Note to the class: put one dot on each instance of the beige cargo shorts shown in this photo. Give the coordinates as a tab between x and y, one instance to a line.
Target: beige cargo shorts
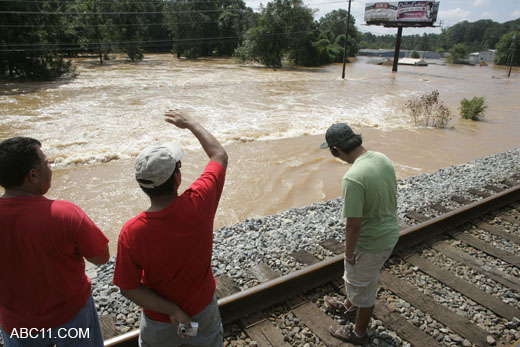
362	277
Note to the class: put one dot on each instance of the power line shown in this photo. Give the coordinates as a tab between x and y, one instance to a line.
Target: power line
119	25
104	25
136	12
116	25
87	45
158	3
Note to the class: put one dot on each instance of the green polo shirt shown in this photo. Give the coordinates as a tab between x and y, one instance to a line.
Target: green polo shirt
370	193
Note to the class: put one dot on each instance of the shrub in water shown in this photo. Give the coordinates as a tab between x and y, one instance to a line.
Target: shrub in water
473	109
428	111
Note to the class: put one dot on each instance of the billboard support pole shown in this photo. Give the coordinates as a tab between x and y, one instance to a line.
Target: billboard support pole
397	48
512	56
346	42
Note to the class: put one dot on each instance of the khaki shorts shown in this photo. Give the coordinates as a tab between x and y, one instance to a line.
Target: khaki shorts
361	278
159	334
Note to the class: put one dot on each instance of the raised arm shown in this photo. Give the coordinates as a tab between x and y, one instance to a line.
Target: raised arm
209	143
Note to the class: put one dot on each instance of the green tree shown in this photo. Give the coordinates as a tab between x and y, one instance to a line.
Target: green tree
92	28
193	30
473	109
262	46
458	53
130	25
285	28
333	27
33	37
504	50
234	20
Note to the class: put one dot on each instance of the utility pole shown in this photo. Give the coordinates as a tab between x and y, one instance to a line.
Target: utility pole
346	41
512	54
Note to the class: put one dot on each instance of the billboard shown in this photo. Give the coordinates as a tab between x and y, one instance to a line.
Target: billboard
402	12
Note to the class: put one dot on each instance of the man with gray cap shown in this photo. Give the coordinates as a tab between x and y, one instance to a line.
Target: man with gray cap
372	230
164	253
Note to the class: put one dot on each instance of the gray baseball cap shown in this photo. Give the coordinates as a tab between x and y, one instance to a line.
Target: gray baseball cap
157	163
336	134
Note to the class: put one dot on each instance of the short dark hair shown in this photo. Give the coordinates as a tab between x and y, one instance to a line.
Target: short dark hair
163	189
18	155
351	143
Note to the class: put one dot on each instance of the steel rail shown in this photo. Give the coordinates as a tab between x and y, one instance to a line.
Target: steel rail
266	294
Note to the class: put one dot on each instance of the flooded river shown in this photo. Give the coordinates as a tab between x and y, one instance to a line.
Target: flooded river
271	122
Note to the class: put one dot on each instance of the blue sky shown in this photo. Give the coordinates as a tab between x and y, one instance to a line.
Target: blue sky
450	12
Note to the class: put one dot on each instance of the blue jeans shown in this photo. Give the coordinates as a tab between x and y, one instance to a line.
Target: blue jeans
81	331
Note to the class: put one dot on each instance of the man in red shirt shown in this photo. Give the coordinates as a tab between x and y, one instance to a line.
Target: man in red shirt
45	295
164	253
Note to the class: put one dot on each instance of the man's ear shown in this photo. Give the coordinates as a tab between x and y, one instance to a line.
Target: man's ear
33	175
339	151
177	178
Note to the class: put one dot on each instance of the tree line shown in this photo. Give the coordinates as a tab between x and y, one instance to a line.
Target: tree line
39	35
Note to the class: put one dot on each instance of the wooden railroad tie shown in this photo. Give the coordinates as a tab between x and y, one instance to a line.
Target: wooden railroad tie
487	248
477	265
486	226
318	322
494	188
461	200
402	326
510	182
481	193
467	289
304	257
333	245
417	216
263	273
500	233
406	330
225	286
410	294
266	333
441	208
509	219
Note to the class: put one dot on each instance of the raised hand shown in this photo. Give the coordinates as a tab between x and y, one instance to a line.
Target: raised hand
179	118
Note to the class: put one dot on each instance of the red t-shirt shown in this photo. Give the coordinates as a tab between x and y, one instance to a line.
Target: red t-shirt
169	251
42	277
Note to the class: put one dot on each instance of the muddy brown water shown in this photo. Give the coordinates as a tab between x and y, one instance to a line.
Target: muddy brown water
271	122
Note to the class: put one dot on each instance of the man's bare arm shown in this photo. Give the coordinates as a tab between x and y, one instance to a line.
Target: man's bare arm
209	143
147	298
101	258
352	232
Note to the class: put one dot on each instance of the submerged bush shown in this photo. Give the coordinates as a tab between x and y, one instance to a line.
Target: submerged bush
428	111
473	109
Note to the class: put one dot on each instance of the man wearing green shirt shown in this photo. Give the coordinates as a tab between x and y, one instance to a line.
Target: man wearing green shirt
372	229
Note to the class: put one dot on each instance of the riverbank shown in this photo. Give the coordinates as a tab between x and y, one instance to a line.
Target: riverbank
272	238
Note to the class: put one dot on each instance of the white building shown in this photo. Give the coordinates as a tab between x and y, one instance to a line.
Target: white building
487	56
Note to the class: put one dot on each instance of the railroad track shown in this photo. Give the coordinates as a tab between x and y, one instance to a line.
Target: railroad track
476	235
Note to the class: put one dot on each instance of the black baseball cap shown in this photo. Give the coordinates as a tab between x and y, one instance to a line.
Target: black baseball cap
336	134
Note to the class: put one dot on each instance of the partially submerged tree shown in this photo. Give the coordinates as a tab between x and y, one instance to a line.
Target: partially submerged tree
428	111
473	109
458	53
